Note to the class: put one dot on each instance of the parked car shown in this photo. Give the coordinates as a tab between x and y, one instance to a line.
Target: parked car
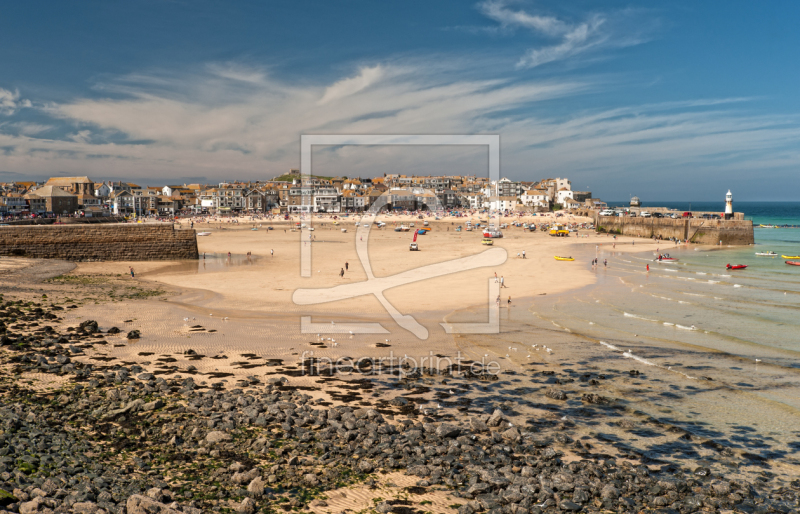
644	214
687	214
607	212
657	215
413	247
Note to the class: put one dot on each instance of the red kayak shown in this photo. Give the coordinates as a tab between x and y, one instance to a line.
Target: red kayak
793	263
738	266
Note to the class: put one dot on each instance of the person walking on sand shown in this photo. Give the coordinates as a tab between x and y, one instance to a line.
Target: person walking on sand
502	281
605	263
495	277
498	301
523	254
272	253
341	273
509	301
648	267
132	273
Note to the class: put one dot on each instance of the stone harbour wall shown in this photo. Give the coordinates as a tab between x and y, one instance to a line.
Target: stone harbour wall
700	231
103	242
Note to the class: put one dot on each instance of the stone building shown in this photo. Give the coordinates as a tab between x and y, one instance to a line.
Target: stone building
74	185
57	200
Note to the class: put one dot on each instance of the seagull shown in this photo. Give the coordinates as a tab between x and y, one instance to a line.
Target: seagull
351	332
332	323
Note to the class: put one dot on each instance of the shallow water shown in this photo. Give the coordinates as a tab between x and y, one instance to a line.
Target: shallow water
725	343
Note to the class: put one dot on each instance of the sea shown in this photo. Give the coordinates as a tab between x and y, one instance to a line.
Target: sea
726	343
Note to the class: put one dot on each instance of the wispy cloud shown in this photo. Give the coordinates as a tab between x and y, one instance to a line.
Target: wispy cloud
349	86
565	39
10	101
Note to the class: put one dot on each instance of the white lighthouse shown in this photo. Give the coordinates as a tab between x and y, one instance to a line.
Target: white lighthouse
729	205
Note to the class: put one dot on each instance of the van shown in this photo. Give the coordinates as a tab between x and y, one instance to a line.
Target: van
644	214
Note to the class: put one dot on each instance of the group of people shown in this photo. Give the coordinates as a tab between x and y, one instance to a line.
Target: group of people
595	263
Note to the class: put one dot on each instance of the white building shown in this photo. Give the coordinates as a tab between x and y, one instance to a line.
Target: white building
102	190
535	198
502	203
563	194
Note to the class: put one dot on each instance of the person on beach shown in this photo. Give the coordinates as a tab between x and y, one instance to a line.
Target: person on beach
648	267
272	253
132	273
523	254
502	281
347	266
495	277
498	301
509	301
605	263
341	273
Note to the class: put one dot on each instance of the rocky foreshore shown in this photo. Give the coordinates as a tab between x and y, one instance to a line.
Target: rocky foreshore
91	438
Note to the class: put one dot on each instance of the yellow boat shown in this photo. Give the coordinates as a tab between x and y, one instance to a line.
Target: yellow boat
564	258
791	256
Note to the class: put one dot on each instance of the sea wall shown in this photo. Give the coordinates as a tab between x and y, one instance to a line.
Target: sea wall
102	242
67	220
700	231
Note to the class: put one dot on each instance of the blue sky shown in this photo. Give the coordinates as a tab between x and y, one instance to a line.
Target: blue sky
668	101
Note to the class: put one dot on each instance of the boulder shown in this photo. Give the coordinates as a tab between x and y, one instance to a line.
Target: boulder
138	504
217	437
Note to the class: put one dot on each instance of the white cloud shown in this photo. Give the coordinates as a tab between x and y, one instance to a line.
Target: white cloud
573	38
11	101
496	10
366	77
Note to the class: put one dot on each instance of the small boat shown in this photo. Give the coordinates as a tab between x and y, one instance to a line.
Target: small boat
204	233
736	266
766	254
564	258
791	256
793	263
767	226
